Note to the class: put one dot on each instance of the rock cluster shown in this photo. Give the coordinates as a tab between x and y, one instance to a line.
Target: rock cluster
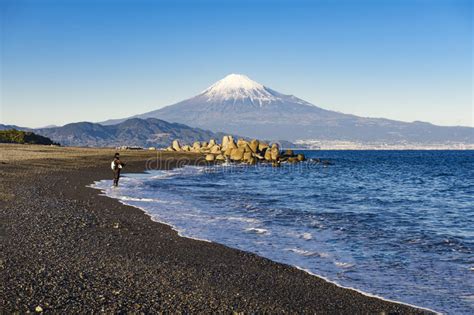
250	152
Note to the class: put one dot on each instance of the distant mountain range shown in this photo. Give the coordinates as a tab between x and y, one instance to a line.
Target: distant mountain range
132	132
239	105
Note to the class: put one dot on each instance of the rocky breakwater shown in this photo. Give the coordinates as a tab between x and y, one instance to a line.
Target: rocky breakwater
240	151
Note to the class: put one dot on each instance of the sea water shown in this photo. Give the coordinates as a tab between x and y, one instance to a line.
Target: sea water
396	224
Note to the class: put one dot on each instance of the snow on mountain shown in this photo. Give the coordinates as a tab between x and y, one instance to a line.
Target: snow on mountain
238	87
236	104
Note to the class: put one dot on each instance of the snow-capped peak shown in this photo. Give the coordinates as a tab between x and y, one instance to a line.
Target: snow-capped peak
235	82
238	87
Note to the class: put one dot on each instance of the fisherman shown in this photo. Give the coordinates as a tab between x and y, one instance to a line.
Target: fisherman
116	166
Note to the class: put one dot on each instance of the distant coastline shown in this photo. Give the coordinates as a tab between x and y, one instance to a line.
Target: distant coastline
352	145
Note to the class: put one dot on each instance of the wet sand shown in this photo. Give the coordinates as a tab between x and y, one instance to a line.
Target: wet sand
64	248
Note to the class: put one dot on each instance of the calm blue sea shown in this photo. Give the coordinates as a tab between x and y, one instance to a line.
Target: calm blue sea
397	224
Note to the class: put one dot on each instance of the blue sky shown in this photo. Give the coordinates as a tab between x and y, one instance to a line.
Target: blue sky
67	61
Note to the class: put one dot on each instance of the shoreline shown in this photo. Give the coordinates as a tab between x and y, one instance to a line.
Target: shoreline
367	293
174	228
66	248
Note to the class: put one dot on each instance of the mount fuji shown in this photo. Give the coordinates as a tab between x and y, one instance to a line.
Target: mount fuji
236	104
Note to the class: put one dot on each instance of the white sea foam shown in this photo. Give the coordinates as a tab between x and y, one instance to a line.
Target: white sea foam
125	198
302	252
469	298
365	293
306	236
153	217
180	232
324	255
161	176
343	264
257	230
242	219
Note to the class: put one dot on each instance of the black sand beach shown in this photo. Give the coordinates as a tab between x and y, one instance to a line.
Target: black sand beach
66	249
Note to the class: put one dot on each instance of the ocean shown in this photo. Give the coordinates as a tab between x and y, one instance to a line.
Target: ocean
395	224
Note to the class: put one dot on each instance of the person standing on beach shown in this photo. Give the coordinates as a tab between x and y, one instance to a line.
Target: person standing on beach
116	166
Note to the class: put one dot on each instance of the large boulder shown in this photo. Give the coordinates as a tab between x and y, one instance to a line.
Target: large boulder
228	142
247	156
216	149
301	157
275	153
186	148
220	157
231	144
210	157
228	151
176	146
254	145
247	148
241	143
225	142
211	143
262	146
204	144
268	155
292	159
237	154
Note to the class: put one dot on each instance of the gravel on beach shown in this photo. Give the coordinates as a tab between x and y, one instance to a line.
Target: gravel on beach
67	249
